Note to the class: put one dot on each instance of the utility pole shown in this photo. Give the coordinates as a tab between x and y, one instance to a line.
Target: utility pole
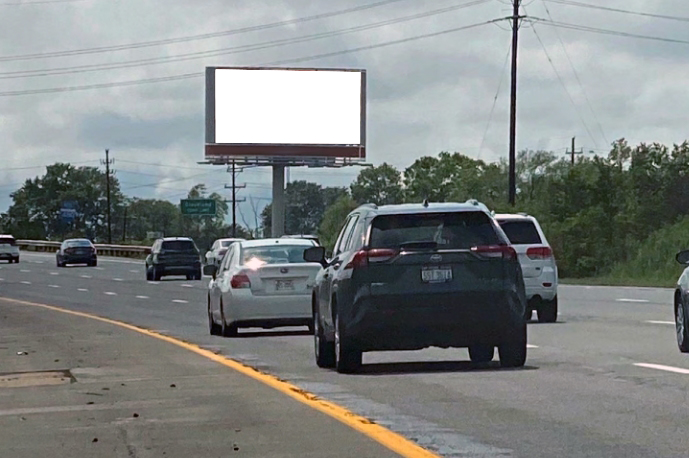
234	188
107	185
124	226
574	150
513	102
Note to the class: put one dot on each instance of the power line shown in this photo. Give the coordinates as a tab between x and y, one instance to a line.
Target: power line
564	86
619	10
584	28
231	50
40	2
5	169
201	74
576	75
147	44
495	101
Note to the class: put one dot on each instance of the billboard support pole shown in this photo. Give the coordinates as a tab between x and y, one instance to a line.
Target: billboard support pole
278	204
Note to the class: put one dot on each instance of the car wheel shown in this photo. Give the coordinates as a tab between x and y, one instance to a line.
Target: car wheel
547	312
324	350
513	352
149	274
528	314
199	275
213	327
347	358
156	274
227	330
681	327
58	263
481	353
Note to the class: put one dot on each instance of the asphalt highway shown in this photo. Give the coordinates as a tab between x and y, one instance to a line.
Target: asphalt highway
607	380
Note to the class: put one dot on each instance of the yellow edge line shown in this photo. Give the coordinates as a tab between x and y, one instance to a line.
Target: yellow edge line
393	441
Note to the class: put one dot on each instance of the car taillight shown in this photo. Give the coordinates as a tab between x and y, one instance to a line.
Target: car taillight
240	281
69	250
364	257
495	251
539	252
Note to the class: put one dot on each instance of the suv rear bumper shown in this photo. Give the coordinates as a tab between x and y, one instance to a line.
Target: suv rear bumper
185	269
9	256
413	322
543	286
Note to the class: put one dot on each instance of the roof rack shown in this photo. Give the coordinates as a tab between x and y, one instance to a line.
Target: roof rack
523	214
369	205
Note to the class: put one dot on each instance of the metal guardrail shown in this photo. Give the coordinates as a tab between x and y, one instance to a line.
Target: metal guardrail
120	251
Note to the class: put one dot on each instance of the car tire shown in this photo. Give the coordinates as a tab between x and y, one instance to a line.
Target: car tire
156	274
347	357
93	263
481	353
58	263
513	352
149	274
528	314
214	328
227	330
16	260
547	312
681	327
324	350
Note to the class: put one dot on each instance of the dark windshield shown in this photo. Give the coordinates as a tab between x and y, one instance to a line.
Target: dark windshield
178	245
7	241
521	232
459	230
277	254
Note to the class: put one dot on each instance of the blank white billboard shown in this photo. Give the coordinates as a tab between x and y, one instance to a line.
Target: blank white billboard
288	107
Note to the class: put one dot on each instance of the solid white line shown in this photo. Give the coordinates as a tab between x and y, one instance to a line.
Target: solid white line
53	286
661	322
179	301
639	301
660	367
86	276
110	293
25	282
142	297
83	290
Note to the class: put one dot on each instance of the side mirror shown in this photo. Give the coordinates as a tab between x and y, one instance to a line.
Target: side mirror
315	254
210	270
683	257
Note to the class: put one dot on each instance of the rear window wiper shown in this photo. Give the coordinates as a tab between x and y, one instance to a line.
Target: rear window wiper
420	245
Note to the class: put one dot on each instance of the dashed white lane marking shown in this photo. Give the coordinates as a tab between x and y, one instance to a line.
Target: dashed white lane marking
53	286
24	271
117	279
37	262
179	301
25	282
636	301
142	297
86	276
660	322
660	367
99	268
187	286
110	293
531	346
54	273
2	279
83	290
134	271
153	282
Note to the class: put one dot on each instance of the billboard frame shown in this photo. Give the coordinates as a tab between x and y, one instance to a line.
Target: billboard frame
224	152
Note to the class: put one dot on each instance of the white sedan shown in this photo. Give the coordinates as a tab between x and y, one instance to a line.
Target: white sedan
261	283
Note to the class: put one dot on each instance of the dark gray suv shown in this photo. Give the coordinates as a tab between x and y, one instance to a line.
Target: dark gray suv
407	277
173	256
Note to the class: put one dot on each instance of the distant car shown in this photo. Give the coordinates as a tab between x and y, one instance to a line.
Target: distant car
538	264
682	303
9	249
76	251
407	277
261	283
303	236
173	256
218	250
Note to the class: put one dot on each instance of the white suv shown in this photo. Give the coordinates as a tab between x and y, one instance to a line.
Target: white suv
9	249
537	261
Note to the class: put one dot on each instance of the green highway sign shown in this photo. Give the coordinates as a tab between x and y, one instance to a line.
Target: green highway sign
198	207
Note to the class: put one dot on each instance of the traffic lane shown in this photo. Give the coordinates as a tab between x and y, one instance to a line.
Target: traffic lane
125	394
291	359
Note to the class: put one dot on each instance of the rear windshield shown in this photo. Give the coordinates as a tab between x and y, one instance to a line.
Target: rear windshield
521	232
7	241
459	230
278	254
178	245
75	243
226	243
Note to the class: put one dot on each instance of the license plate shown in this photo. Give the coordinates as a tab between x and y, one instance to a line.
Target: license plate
284	285
436	274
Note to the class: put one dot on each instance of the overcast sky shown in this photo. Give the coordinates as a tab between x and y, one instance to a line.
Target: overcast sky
424	96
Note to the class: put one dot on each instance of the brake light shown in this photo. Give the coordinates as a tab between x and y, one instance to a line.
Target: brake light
539	252
495	251
364	257
240	281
